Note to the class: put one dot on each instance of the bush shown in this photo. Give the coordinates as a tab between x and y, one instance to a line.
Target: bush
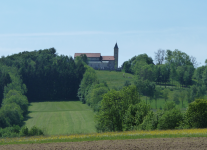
169	106
170	119
35	131
10	131
10	114
135	115
149	122
24	131
196	114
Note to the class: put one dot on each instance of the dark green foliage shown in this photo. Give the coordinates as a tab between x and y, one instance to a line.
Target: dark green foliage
89	78
135	115
16	131
170	119
14	96
53	77
176	97
169	106
24	131
127	83
149	122
82	59
10	114
4	80
196	114
35	131
95	95
113	108
39	76
10	131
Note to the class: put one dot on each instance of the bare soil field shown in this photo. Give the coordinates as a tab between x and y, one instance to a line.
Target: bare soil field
136	144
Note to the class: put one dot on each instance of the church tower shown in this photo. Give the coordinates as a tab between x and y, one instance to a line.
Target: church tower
116	52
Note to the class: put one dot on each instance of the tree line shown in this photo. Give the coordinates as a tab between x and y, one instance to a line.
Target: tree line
34	76
121	109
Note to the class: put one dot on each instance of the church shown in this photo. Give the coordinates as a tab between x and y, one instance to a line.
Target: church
96	61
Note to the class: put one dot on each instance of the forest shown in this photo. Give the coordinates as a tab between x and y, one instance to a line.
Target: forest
43	75
35	76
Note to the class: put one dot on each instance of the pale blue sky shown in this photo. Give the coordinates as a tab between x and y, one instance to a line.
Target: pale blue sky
94	26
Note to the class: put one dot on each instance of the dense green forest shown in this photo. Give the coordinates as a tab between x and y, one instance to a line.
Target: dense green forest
35	76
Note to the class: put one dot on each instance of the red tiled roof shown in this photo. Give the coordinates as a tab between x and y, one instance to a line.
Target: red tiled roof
108	58
88	54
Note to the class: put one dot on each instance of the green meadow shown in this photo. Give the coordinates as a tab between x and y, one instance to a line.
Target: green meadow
55	118
114	78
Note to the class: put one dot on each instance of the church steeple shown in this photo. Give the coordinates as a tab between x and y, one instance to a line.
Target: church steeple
116	46
116	55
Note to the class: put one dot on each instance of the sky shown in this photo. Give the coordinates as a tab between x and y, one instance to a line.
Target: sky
94	26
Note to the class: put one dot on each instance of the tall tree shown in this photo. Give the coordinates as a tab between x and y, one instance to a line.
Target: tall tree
159	56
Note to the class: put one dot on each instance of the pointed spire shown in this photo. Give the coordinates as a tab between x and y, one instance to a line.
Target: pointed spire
116	46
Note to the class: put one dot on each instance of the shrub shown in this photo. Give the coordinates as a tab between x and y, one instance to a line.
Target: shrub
35	131
24	131
196	114
170	119
169	106
10	131
149	122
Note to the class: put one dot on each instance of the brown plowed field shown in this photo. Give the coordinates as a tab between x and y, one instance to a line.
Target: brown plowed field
137	144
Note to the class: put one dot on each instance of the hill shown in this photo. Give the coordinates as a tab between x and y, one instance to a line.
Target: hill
114	78
56	118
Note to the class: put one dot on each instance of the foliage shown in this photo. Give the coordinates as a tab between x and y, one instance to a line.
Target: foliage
113	107
12	131
35	131
95	95
165	94
196	114
81	59
135	115
176	97
170	119
169	106
89	78
10	114
14	96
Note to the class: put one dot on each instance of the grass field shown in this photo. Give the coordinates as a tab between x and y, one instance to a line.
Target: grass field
57	118
114	78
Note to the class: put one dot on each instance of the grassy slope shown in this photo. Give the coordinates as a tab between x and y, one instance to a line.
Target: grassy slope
61	117
114	78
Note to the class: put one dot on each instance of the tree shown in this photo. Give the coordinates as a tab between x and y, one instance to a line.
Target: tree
127	67
169	106
135	115
170	119
182	96
157	93
196	114
177	58
113	107
14	96
165	94
176	97
82	58
89	78
127	83
159	56
95	95
165	73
